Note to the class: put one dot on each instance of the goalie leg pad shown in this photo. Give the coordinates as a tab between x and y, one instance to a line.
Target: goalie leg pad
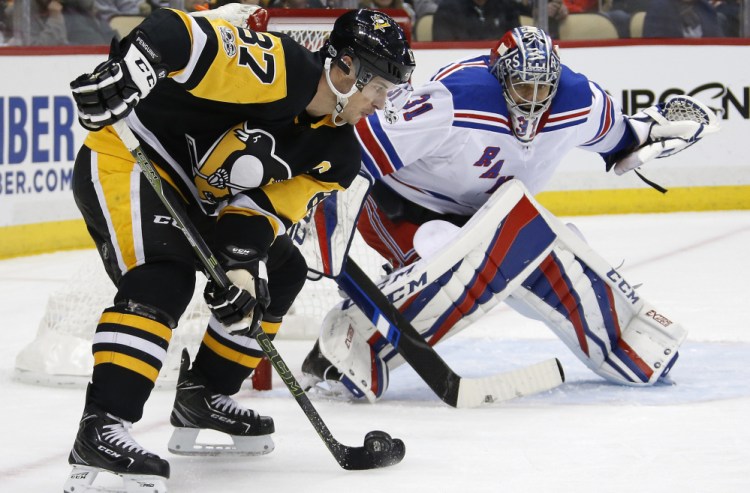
598	314
444	293
364	373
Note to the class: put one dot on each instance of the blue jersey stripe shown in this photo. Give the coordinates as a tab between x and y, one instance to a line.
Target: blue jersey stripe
380	135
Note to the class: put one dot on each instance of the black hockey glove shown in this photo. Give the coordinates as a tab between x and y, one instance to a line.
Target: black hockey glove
118	84
247	298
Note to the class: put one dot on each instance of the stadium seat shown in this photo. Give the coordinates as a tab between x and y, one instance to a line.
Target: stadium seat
587	26
423	29
636	24
123	24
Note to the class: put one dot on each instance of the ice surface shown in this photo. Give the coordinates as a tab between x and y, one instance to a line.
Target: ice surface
586	436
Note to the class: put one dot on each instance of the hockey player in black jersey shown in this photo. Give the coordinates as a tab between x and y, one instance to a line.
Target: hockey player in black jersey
248	130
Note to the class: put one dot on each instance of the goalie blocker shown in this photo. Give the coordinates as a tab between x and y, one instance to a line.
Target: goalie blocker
515	250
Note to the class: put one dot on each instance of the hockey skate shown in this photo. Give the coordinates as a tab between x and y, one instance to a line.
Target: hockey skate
196	408
103	443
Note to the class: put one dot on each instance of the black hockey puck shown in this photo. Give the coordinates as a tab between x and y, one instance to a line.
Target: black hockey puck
378	442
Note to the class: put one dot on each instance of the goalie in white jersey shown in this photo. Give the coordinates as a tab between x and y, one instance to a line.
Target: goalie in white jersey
477	125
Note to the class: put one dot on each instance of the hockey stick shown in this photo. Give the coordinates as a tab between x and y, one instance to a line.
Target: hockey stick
379	450
452	389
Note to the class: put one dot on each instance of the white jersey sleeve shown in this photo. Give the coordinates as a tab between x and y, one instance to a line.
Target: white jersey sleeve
419	131
606	125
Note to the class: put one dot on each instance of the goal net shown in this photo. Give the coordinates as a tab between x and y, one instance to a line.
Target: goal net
310	27
60	355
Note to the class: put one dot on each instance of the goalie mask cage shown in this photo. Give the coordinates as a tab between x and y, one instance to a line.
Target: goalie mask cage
60	354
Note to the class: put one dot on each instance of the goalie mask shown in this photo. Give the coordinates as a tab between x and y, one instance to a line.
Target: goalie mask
527	65
382	59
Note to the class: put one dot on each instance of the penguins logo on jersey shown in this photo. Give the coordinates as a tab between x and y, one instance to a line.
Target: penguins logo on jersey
379	22
241	159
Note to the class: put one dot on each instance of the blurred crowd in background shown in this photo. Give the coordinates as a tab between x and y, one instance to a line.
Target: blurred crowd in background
89	22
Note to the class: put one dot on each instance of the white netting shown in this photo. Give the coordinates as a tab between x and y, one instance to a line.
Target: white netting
310	33
312	39
61	352
60	355
310	27
679	109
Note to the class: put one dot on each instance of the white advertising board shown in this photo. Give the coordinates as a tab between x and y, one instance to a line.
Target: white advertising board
39	133
39	137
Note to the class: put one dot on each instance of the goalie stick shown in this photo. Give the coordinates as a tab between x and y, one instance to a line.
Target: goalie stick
452	389
379	449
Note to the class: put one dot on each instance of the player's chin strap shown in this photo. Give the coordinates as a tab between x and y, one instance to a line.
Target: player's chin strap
341	99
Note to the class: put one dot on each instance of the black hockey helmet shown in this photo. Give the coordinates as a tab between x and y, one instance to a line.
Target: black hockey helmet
377	44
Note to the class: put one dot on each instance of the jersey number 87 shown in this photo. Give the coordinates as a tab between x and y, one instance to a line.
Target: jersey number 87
265	71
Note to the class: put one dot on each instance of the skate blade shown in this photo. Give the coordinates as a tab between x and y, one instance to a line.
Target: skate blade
81	480
183	442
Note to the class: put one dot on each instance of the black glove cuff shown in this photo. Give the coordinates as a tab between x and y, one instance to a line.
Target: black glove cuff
234	257
236	234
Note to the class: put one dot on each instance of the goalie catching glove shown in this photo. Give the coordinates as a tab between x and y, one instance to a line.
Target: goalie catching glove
666	129
117	85
240	307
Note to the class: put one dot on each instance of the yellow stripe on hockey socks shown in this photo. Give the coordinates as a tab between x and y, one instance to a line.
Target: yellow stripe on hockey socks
145	324
128	362
228	353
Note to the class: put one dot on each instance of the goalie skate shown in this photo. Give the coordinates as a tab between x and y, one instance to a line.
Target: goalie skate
196	408
103	444
321	379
